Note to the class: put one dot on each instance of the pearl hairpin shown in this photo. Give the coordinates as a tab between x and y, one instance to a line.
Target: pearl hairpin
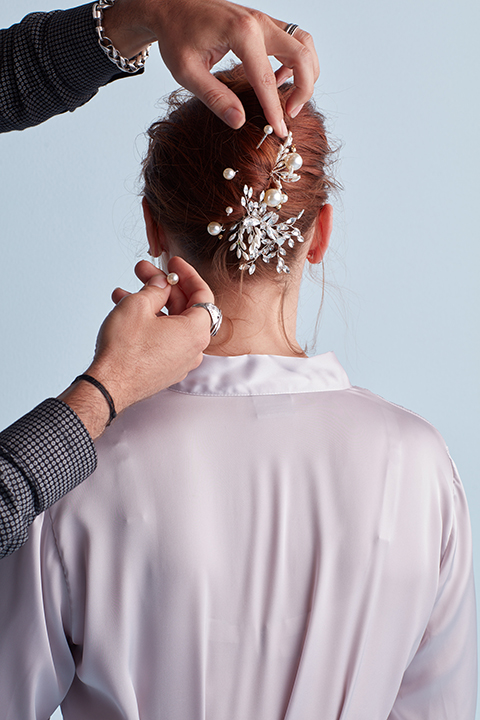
268	130
229	173
172	278
214	228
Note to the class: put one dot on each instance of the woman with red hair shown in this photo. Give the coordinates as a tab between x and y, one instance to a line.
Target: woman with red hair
261	540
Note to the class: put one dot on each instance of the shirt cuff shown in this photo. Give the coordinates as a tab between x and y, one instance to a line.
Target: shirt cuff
52	449
79	59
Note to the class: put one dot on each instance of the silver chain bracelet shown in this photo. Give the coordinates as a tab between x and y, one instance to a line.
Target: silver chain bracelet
129	66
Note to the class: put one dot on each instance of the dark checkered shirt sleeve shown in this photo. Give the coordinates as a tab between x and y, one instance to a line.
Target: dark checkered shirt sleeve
43	456
50	63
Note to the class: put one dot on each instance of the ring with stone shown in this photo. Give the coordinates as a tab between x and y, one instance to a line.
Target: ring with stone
215	316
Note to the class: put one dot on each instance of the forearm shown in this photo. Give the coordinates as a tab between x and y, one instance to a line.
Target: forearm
89	405
43	456
50	451
51	63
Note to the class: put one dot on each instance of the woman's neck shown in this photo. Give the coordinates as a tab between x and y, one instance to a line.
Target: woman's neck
260	321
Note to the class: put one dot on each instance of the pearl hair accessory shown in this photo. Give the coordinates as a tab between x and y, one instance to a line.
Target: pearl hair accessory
229	173
259	234
268	130
172	278
214	228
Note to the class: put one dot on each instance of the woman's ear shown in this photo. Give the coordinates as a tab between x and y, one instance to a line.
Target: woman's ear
321	235
157	241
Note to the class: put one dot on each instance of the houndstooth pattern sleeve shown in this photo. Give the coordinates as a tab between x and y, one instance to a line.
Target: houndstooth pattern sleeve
50	63
43	456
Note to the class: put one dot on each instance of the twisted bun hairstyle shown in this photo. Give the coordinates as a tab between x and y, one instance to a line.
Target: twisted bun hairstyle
183	179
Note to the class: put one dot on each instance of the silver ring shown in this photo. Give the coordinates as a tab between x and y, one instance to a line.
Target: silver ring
291	28
215	316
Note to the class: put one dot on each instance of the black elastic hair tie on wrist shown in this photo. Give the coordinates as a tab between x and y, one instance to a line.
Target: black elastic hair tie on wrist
104	391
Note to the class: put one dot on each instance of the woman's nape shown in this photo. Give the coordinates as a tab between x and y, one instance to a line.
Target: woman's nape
185	189
262	318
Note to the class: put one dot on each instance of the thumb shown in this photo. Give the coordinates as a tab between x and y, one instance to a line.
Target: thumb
158	291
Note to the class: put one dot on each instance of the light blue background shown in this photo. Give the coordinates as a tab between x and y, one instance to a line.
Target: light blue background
399	83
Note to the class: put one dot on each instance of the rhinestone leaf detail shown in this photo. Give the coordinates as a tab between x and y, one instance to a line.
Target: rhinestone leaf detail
259	234
281	171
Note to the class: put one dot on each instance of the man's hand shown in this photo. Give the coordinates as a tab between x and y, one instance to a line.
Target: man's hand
141	351
194	35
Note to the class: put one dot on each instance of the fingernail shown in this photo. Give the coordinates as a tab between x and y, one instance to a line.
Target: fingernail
295	112
158	281
284	129
234	118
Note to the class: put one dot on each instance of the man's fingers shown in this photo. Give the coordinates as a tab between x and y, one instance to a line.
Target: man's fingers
297	54
148	273
144	270
157	297
304	37
216	96
118	294
263	80
177	298
194	290
193	286
305	73
177	302
283	74
155	293
248	42
189	290
194	35
301	58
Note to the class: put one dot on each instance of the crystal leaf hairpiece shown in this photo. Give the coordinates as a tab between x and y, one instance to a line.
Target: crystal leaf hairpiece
259	234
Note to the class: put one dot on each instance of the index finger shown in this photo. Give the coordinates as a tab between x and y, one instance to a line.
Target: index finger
193	287
297	53
302	59
252	50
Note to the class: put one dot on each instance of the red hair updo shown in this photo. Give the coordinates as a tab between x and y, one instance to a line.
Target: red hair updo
183	174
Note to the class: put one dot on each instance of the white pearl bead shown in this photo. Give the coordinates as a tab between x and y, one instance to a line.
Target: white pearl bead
294	161
273	197
284	198
268	129
229	173
229	210
172	278
214	228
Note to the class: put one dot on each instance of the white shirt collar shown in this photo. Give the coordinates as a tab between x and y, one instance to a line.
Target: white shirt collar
245	375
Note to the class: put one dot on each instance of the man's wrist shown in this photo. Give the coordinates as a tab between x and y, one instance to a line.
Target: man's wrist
80	63
88	403
122	24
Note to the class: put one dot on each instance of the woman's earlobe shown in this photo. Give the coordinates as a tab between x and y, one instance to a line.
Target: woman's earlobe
155	233
321	235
